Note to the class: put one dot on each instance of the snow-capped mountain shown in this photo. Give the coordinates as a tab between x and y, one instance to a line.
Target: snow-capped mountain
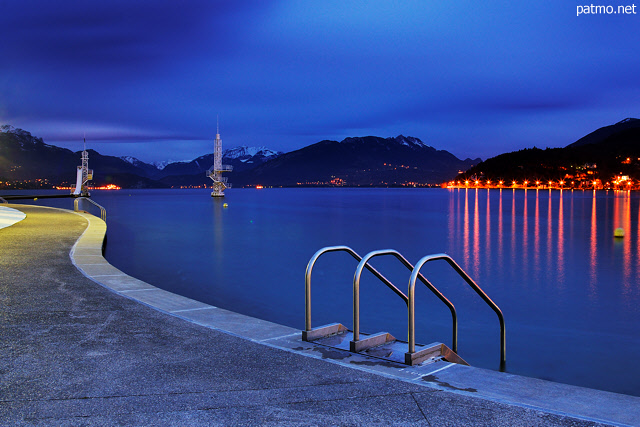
407	141
161	165
244	151
132	160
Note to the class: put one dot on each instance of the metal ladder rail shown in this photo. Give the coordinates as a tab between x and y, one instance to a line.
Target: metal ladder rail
307	280
411	311
364	262
103	211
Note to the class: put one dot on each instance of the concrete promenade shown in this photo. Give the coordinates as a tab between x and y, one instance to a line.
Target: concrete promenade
73	352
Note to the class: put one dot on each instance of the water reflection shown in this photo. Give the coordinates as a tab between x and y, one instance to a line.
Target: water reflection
536	235
525	235
549	235
542	230
513	228
593	249
500	235
476	235
465	239
560	240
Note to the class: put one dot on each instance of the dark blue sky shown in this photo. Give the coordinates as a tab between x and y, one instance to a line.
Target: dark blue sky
477	78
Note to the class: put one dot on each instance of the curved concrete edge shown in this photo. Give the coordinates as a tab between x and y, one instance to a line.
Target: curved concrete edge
87	256
560	399
10	216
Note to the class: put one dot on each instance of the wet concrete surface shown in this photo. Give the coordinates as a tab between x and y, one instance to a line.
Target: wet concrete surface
73	352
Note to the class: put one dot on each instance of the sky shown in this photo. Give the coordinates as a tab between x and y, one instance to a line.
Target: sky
477	78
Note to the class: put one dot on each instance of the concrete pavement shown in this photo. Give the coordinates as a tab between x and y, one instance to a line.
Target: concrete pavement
73	352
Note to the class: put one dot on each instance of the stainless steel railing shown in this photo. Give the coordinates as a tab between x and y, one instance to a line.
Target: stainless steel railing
3	200
307	278
412	284
356	293
409	300
103	211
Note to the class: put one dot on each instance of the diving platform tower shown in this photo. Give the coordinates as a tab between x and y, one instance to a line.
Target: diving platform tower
83	175
220	183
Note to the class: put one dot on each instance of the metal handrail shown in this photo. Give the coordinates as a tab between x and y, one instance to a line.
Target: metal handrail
3	200
356	292
307	278
412	284
103	211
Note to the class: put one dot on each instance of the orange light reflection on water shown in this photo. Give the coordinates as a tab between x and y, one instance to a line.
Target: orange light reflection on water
476	236
536	234
560	241
544	241
500	235
465	237
525	234
593	250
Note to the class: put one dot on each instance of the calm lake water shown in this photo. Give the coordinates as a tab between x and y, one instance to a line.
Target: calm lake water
569	291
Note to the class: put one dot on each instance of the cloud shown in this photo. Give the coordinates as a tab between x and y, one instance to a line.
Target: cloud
290	73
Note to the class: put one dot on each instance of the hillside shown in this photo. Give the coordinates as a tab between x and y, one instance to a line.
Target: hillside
606	155
26	161
361	161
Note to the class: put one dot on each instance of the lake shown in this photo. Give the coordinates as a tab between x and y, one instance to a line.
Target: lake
568	289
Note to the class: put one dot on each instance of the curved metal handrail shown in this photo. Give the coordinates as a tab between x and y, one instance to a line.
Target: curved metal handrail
412	284
307	278
103	211
356	292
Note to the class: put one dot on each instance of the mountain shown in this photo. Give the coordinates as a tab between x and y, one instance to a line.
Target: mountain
245	158
26	158
602	134
608	152
150	170
241	158
359	161
244	152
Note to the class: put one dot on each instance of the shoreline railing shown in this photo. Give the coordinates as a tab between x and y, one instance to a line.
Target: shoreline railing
103	211
309	333
412	284
356	293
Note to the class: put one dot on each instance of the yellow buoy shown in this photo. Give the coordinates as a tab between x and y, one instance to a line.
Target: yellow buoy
225	205
618	232
35	198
